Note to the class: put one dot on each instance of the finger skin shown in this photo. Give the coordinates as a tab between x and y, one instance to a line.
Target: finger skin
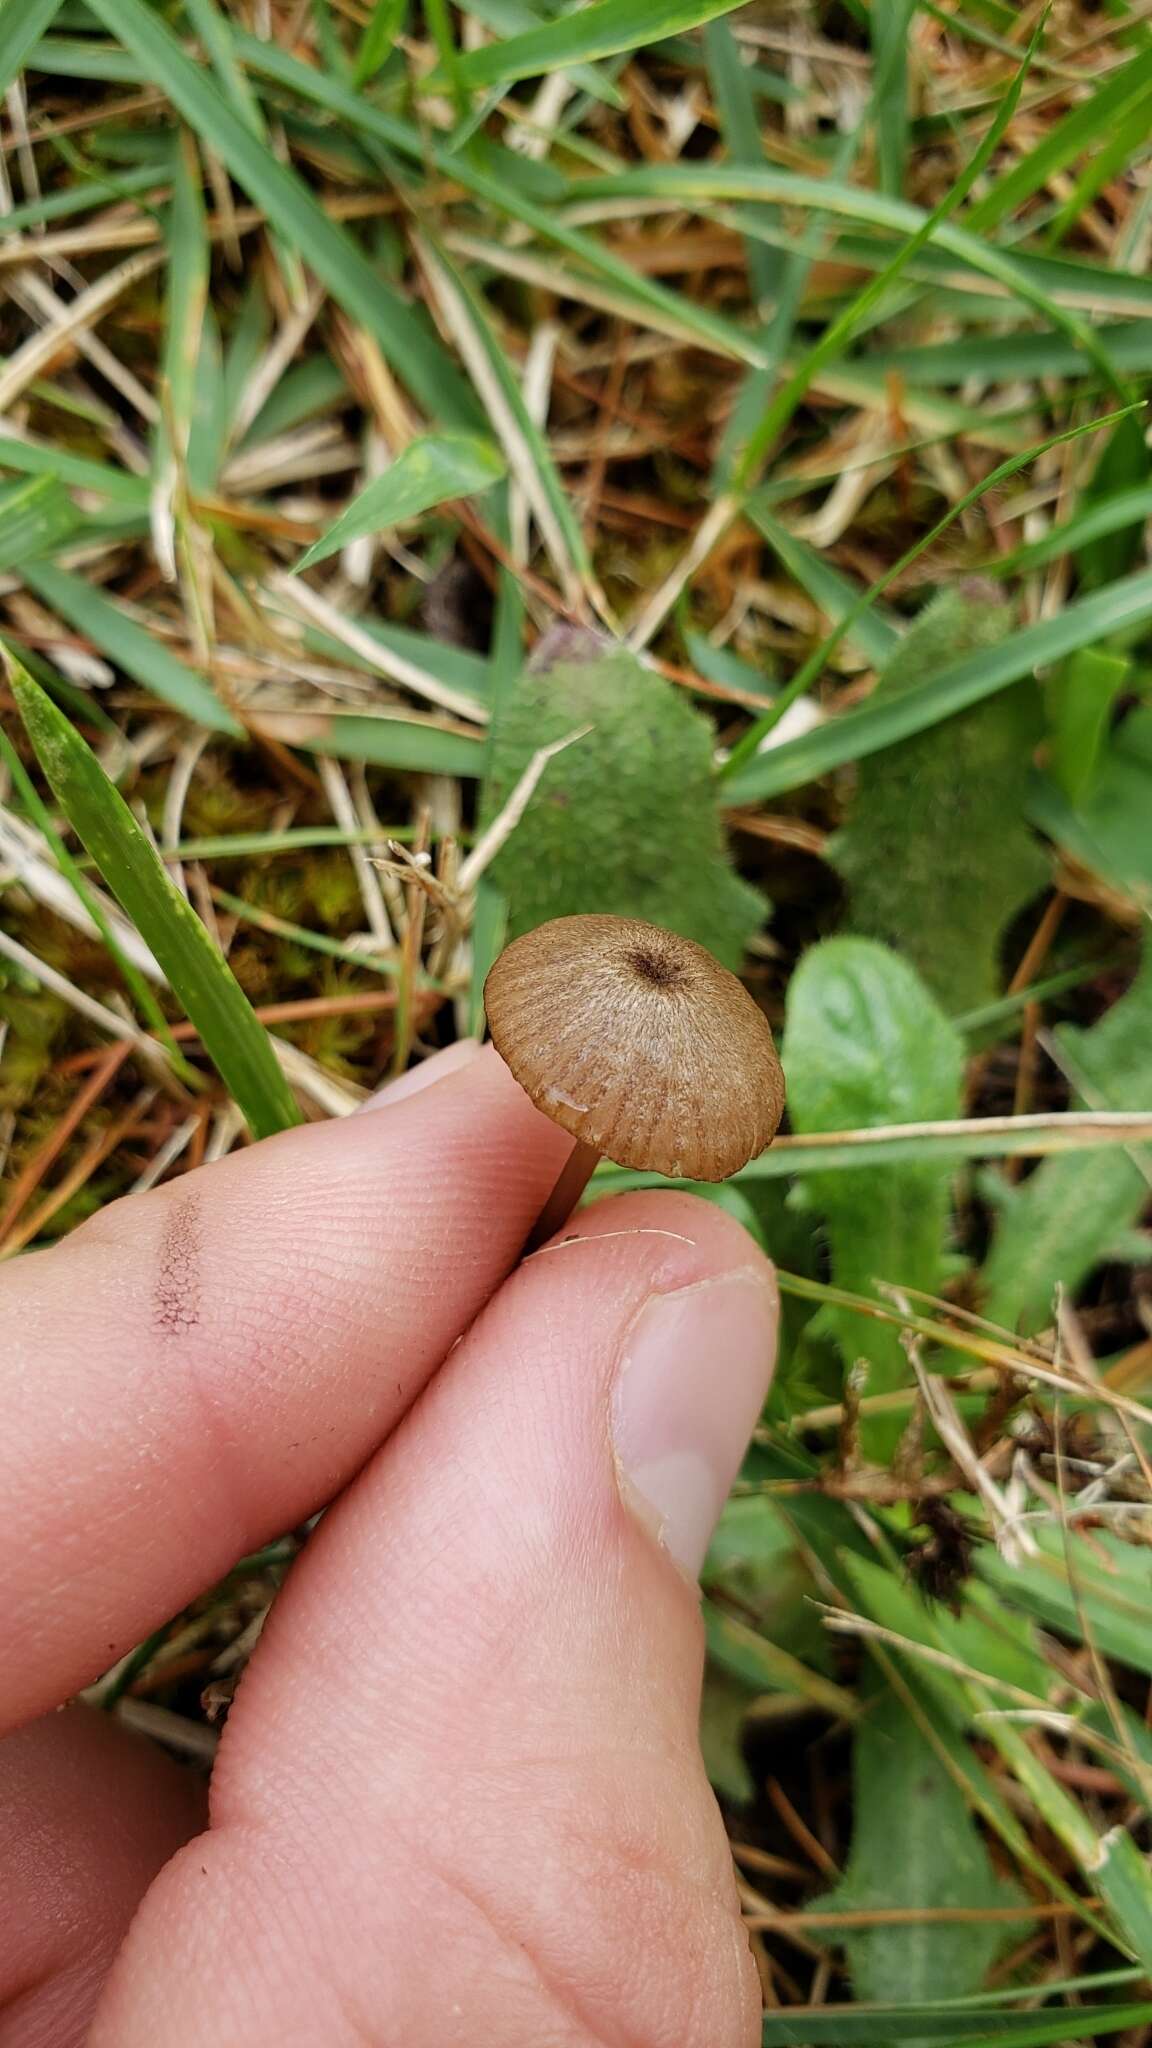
460	1797
200	1368
88	1814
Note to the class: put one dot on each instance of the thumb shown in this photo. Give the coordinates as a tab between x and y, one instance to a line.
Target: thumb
468	1738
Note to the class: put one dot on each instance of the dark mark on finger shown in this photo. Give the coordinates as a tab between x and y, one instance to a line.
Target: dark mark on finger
176	1296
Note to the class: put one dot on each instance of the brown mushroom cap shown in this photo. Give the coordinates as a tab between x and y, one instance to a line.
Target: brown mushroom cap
639	1043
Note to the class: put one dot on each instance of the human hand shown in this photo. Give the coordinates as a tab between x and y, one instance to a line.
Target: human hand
459	1798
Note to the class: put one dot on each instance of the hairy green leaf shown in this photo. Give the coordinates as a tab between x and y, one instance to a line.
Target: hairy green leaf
625	820
936	853
914	1843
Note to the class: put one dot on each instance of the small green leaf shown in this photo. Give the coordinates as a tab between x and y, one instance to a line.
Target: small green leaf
936	853
231	1034
431	469
864	1043
914	1843
625	821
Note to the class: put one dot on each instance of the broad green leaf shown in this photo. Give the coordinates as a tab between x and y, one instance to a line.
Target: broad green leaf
407	341
136	651
230	1032
963	683
645	844
1079	699
22	23
936	853
914	1844
1065	1217
34	517
600	30
431	469
865	1043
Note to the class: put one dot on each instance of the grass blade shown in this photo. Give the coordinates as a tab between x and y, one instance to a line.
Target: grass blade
230	1032
299	218
817	660
1113	610
844	2026
431	469
21	27
583	35
34	517
142	657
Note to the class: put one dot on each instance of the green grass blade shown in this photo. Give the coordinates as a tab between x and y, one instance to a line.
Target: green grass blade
298	217
134	980
400	743
580	37
1062	144
890	25
838	333
22	23
231	1034
641	294
526	448
40	458
848	2026
875	636
1119	607
708	184
34	517
430	470
378	40
740	126
142	657
1091	522
818	659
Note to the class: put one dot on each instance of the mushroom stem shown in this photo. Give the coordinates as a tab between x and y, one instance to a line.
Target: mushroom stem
573	1179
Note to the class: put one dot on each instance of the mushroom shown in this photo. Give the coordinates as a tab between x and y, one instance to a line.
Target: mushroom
638	1043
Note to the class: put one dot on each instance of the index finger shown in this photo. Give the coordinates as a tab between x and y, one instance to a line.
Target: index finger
200	1368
